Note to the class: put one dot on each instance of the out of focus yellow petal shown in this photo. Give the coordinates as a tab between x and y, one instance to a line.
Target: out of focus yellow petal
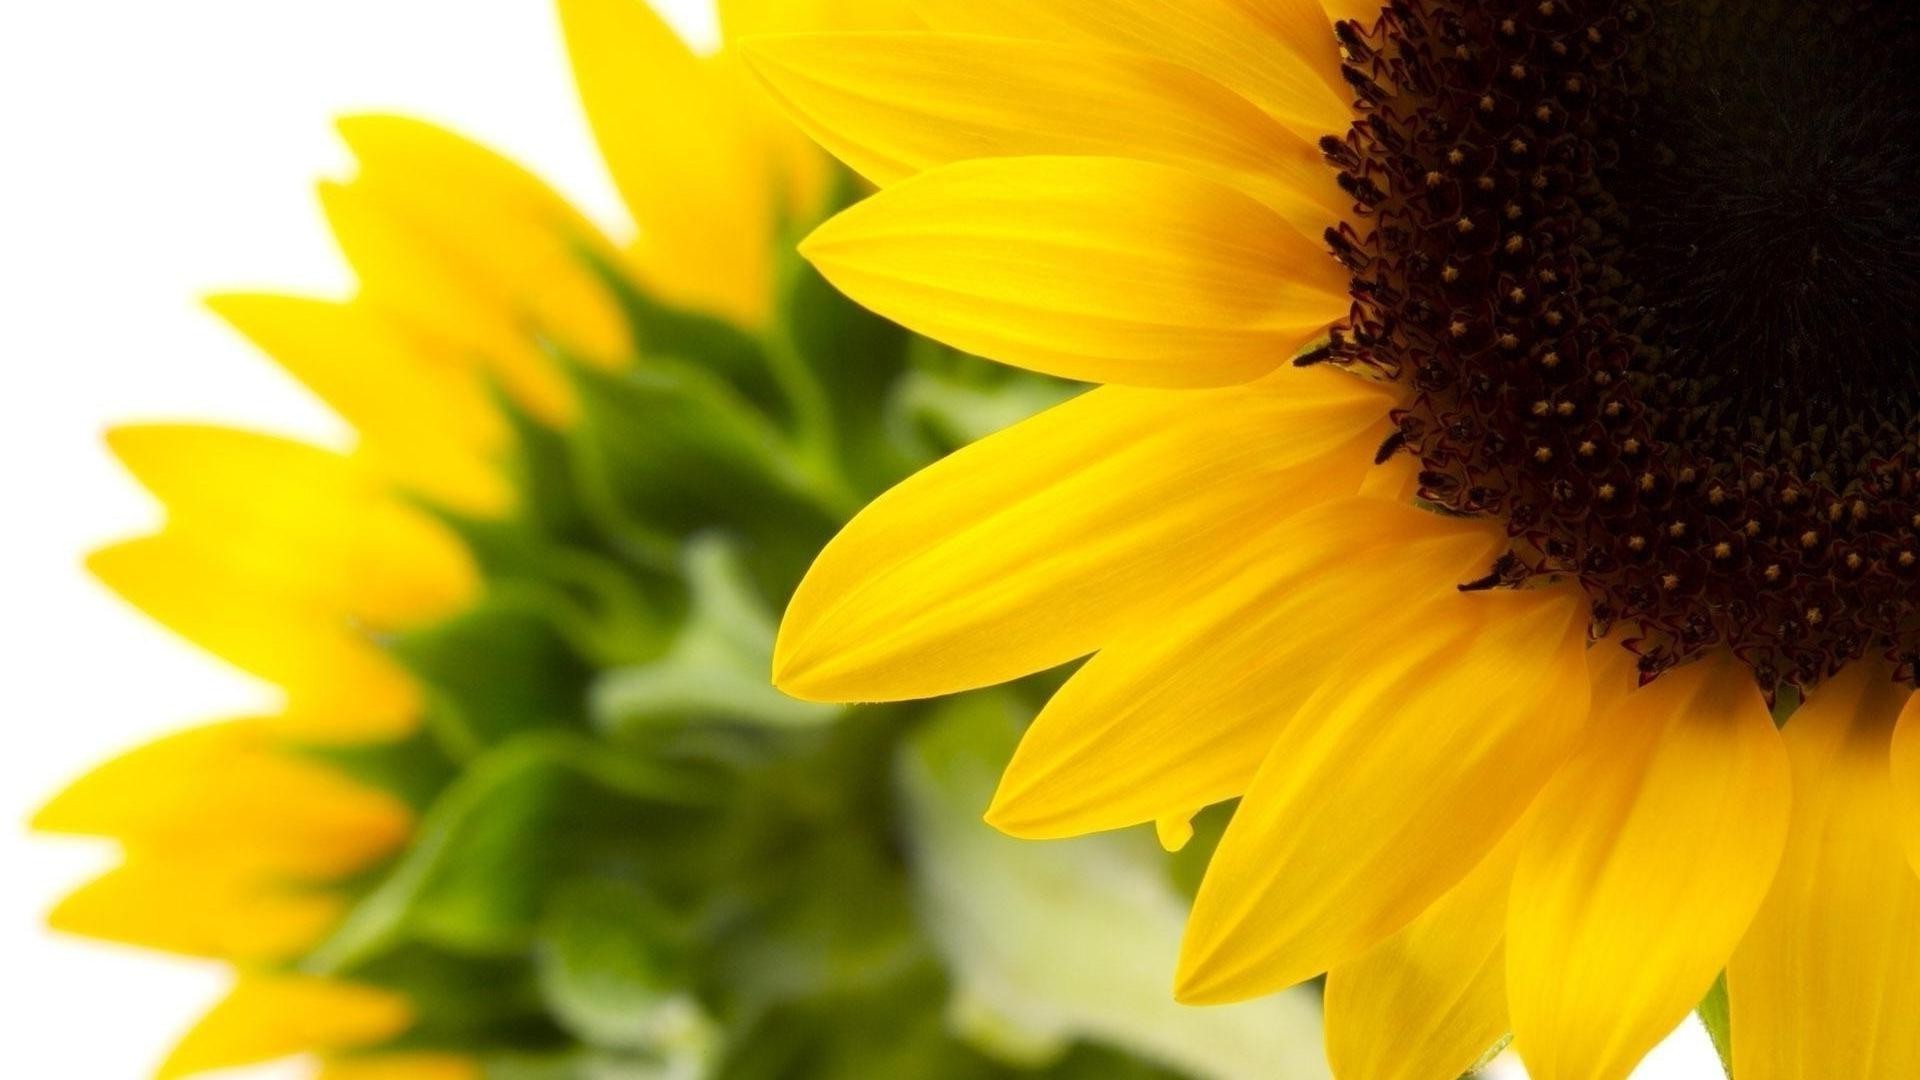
1104	269
402	1067
228	795
516	242
1824	983
1279	54
412	280
1180	710
184	904
1386	790
317	521
267	1017
266	625
695	164
1430	1001
1041	543
892	105
747	18
491	277
1643	863
424	421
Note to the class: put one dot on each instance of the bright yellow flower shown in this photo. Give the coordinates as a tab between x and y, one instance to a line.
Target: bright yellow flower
1473	818
285	559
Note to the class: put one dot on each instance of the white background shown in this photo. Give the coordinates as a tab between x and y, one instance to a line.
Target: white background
150	153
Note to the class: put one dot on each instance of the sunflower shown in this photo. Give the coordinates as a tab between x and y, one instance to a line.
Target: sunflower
1508	405
528	807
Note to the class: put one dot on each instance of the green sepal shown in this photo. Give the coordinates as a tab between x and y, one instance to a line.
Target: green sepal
950	399
717	666
661	329
1716	1014
476	1003
540	808
669	450
846	364
611	966
530	678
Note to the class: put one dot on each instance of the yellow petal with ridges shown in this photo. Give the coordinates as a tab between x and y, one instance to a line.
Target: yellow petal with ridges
317	521
267	1017
1043	542
1279	54
339	683
748	18
1906	777
227	795
1104	269
893	105
1643	863
1615	671
1179	711
1388	787
423	1066
1428	1002
426	423
198	907
1824	983
693	163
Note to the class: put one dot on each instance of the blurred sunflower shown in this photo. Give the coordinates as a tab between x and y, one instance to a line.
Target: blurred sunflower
1455	347
529	809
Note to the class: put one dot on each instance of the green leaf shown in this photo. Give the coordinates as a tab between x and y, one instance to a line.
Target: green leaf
1717	1014
716	669
610	966
1077	939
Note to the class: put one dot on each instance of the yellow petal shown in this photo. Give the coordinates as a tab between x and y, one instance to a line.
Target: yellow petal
1039	544
1388	787
892	105
1824	983
1364	12
746	18
332	675
198	907
402	1067
1103	269
1430	1001
491	275
1906	777
1279	54
316	521
1615	671
411	279
517	242
1180	710
424	422
226	795
695	165
267	1017
1643	863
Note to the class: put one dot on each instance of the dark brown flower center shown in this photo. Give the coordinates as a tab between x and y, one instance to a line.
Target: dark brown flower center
1652	271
